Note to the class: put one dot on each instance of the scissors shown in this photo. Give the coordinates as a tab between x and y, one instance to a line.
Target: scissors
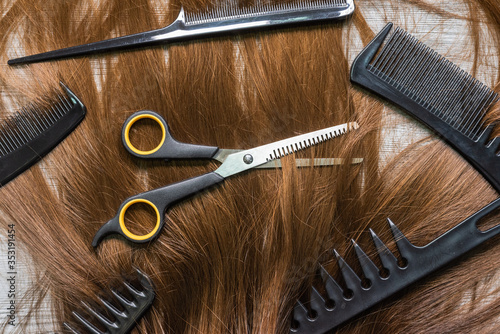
233	162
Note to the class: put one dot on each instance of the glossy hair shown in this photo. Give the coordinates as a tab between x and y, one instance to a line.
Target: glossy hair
236	258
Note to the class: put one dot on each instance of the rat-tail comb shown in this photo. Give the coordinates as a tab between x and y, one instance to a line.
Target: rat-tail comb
435	91
222	19
341	304
33	131
118	314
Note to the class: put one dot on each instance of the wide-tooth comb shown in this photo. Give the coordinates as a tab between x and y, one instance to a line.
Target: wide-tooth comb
222	19
33	131
436	92
126	315
341	305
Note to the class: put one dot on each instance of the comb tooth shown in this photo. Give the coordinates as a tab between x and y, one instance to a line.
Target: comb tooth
435	63
317	302
17	122
112	308
484	137
70	328
455	79
31	117
407	59
230	11
105	321
478	121
300	312
333	289
426	94
352	281
468	96
476	101
64	102
27	128
404	245
447	81
87	324
421	62
384	51
392	54
370	270
475	128
11	136
133	290
122	299
388	259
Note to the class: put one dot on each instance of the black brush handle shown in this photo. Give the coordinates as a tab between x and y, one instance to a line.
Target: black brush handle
481	154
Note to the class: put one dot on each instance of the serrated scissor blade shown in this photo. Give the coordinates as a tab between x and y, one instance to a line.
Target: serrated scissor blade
248	159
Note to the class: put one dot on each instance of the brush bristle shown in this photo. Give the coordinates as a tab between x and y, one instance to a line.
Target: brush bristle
30	122
434	82
230	10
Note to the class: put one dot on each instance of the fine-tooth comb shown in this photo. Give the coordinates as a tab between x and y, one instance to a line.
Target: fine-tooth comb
436	92
33	131
124	316
223	19
341	305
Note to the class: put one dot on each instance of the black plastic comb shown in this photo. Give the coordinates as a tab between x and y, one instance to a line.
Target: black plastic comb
124	316
35	130
435	91
341	305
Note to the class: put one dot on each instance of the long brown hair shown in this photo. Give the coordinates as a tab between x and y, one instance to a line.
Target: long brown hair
236	258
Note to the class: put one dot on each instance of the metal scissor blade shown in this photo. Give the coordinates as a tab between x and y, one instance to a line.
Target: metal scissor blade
222	155
252	158
316	162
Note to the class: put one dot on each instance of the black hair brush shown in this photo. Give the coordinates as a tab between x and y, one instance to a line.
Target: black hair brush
33	131
339	305
435	91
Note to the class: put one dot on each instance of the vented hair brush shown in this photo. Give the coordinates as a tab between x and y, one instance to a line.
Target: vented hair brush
435	91
33	131
339	305
223	19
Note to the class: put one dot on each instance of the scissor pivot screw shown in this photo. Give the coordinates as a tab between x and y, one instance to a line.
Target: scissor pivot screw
248	159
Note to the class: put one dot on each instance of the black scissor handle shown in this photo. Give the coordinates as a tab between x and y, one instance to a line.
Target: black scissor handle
169	148
160	200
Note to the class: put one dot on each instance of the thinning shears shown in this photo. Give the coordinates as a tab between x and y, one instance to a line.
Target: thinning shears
233	162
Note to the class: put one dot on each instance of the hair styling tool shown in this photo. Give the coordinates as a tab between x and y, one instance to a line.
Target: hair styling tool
169	148
162	198
226	18
436	92
35	130
121	317
341	305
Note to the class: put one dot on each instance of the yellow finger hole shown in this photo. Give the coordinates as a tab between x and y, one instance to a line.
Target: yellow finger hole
132	122
132	235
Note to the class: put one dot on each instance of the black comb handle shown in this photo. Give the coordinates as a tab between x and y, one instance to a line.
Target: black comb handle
341	305
435	91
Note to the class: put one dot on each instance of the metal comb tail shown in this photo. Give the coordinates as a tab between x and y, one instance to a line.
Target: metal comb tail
340	305
125	315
